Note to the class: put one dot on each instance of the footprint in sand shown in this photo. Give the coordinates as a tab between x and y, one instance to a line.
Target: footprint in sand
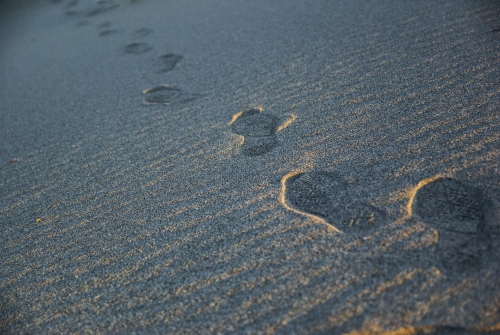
258	129
103	6
108	32
167	62
462	215
137	48
327	195
166	95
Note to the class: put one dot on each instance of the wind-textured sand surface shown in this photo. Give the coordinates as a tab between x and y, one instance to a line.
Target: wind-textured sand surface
250	167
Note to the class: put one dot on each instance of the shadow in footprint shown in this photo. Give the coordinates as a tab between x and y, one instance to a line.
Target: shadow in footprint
137	48
258	129
167	62
329	196
461	214
166	95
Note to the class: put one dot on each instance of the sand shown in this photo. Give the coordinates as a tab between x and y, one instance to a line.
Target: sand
249	167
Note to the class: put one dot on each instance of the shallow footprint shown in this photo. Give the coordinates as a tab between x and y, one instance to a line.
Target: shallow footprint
165	95
108	32
460	214
137	48
139	33
103	6
259	130
328	196
449	204
167	62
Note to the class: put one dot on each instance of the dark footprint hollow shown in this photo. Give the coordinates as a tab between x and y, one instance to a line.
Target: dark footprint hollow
259	131
161	95
328	196
167	62
460	214
137	48
166	95
449	204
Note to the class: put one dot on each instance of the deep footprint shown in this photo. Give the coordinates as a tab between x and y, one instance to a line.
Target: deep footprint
460	214
137	48
448	204
167	62
327	195
259	130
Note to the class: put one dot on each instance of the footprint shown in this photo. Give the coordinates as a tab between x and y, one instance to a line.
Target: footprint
166	95
327	195
259	130
103	6
167	62
141	32
461	214
448	204
137	48
108	32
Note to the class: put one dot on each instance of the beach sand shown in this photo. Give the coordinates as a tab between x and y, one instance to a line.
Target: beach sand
249	167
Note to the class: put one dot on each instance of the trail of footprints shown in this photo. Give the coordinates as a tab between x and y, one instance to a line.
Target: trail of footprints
161	94
461	214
